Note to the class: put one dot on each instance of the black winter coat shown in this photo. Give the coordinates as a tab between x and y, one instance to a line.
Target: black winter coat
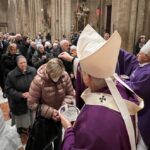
16	84
8	63
37	59
22	48
30	53
3	48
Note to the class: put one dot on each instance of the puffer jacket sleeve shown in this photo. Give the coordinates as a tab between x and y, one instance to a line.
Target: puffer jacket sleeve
35	92
70	92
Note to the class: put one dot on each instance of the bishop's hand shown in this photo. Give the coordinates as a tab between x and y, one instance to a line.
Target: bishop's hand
65	122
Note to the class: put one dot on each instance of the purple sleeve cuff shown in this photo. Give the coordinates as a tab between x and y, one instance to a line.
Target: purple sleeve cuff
68	142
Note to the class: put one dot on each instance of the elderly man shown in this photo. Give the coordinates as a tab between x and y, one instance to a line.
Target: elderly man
139	81
109	104
73	51
64	47
64	44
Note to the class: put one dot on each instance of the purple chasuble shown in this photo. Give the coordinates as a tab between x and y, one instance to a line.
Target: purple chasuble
99	128
140	83
127	63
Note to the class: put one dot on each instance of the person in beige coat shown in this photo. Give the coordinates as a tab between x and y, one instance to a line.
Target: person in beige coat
51	88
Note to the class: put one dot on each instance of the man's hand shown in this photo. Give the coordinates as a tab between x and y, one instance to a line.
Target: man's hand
65	56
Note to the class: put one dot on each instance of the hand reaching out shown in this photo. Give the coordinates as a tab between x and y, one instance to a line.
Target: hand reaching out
65	123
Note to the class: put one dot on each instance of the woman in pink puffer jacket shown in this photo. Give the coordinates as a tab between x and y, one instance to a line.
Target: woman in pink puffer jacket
51	88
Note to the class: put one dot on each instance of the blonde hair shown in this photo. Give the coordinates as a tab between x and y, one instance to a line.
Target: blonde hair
10	47
55	67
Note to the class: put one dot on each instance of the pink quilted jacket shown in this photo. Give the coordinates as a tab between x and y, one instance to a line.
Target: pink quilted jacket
51	95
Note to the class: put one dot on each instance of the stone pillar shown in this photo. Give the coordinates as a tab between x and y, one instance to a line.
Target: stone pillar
60	19
67	17
12	16
146	28
120	19
132	25
57	20
141	12
3	15
53	19
63	16
115	15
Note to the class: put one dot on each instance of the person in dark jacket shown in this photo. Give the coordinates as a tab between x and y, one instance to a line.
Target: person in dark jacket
64	46
56	49
17	88
8	62
48	37
32	49
141	42
3	45
21	45
48	47
41	57
3	48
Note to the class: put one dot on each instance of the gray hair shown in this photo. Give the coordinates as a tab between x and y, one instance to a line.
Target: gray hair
19	57
39	46
62	42
73	47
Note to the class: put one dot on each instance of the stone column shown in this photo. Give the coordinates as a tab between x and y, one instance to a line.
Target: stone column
132	25
115	15
63	16
120	18
60	21
147	19
53	19
140	19
12	16
67	17
57	19
3	15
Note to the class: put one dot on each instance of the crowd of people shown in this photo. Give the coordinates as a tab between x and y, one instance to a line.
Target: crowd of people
108	84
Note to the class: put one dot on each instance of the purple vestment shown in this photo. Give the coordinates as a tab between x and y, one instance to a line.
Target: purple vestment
127	63
99	128
140	83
